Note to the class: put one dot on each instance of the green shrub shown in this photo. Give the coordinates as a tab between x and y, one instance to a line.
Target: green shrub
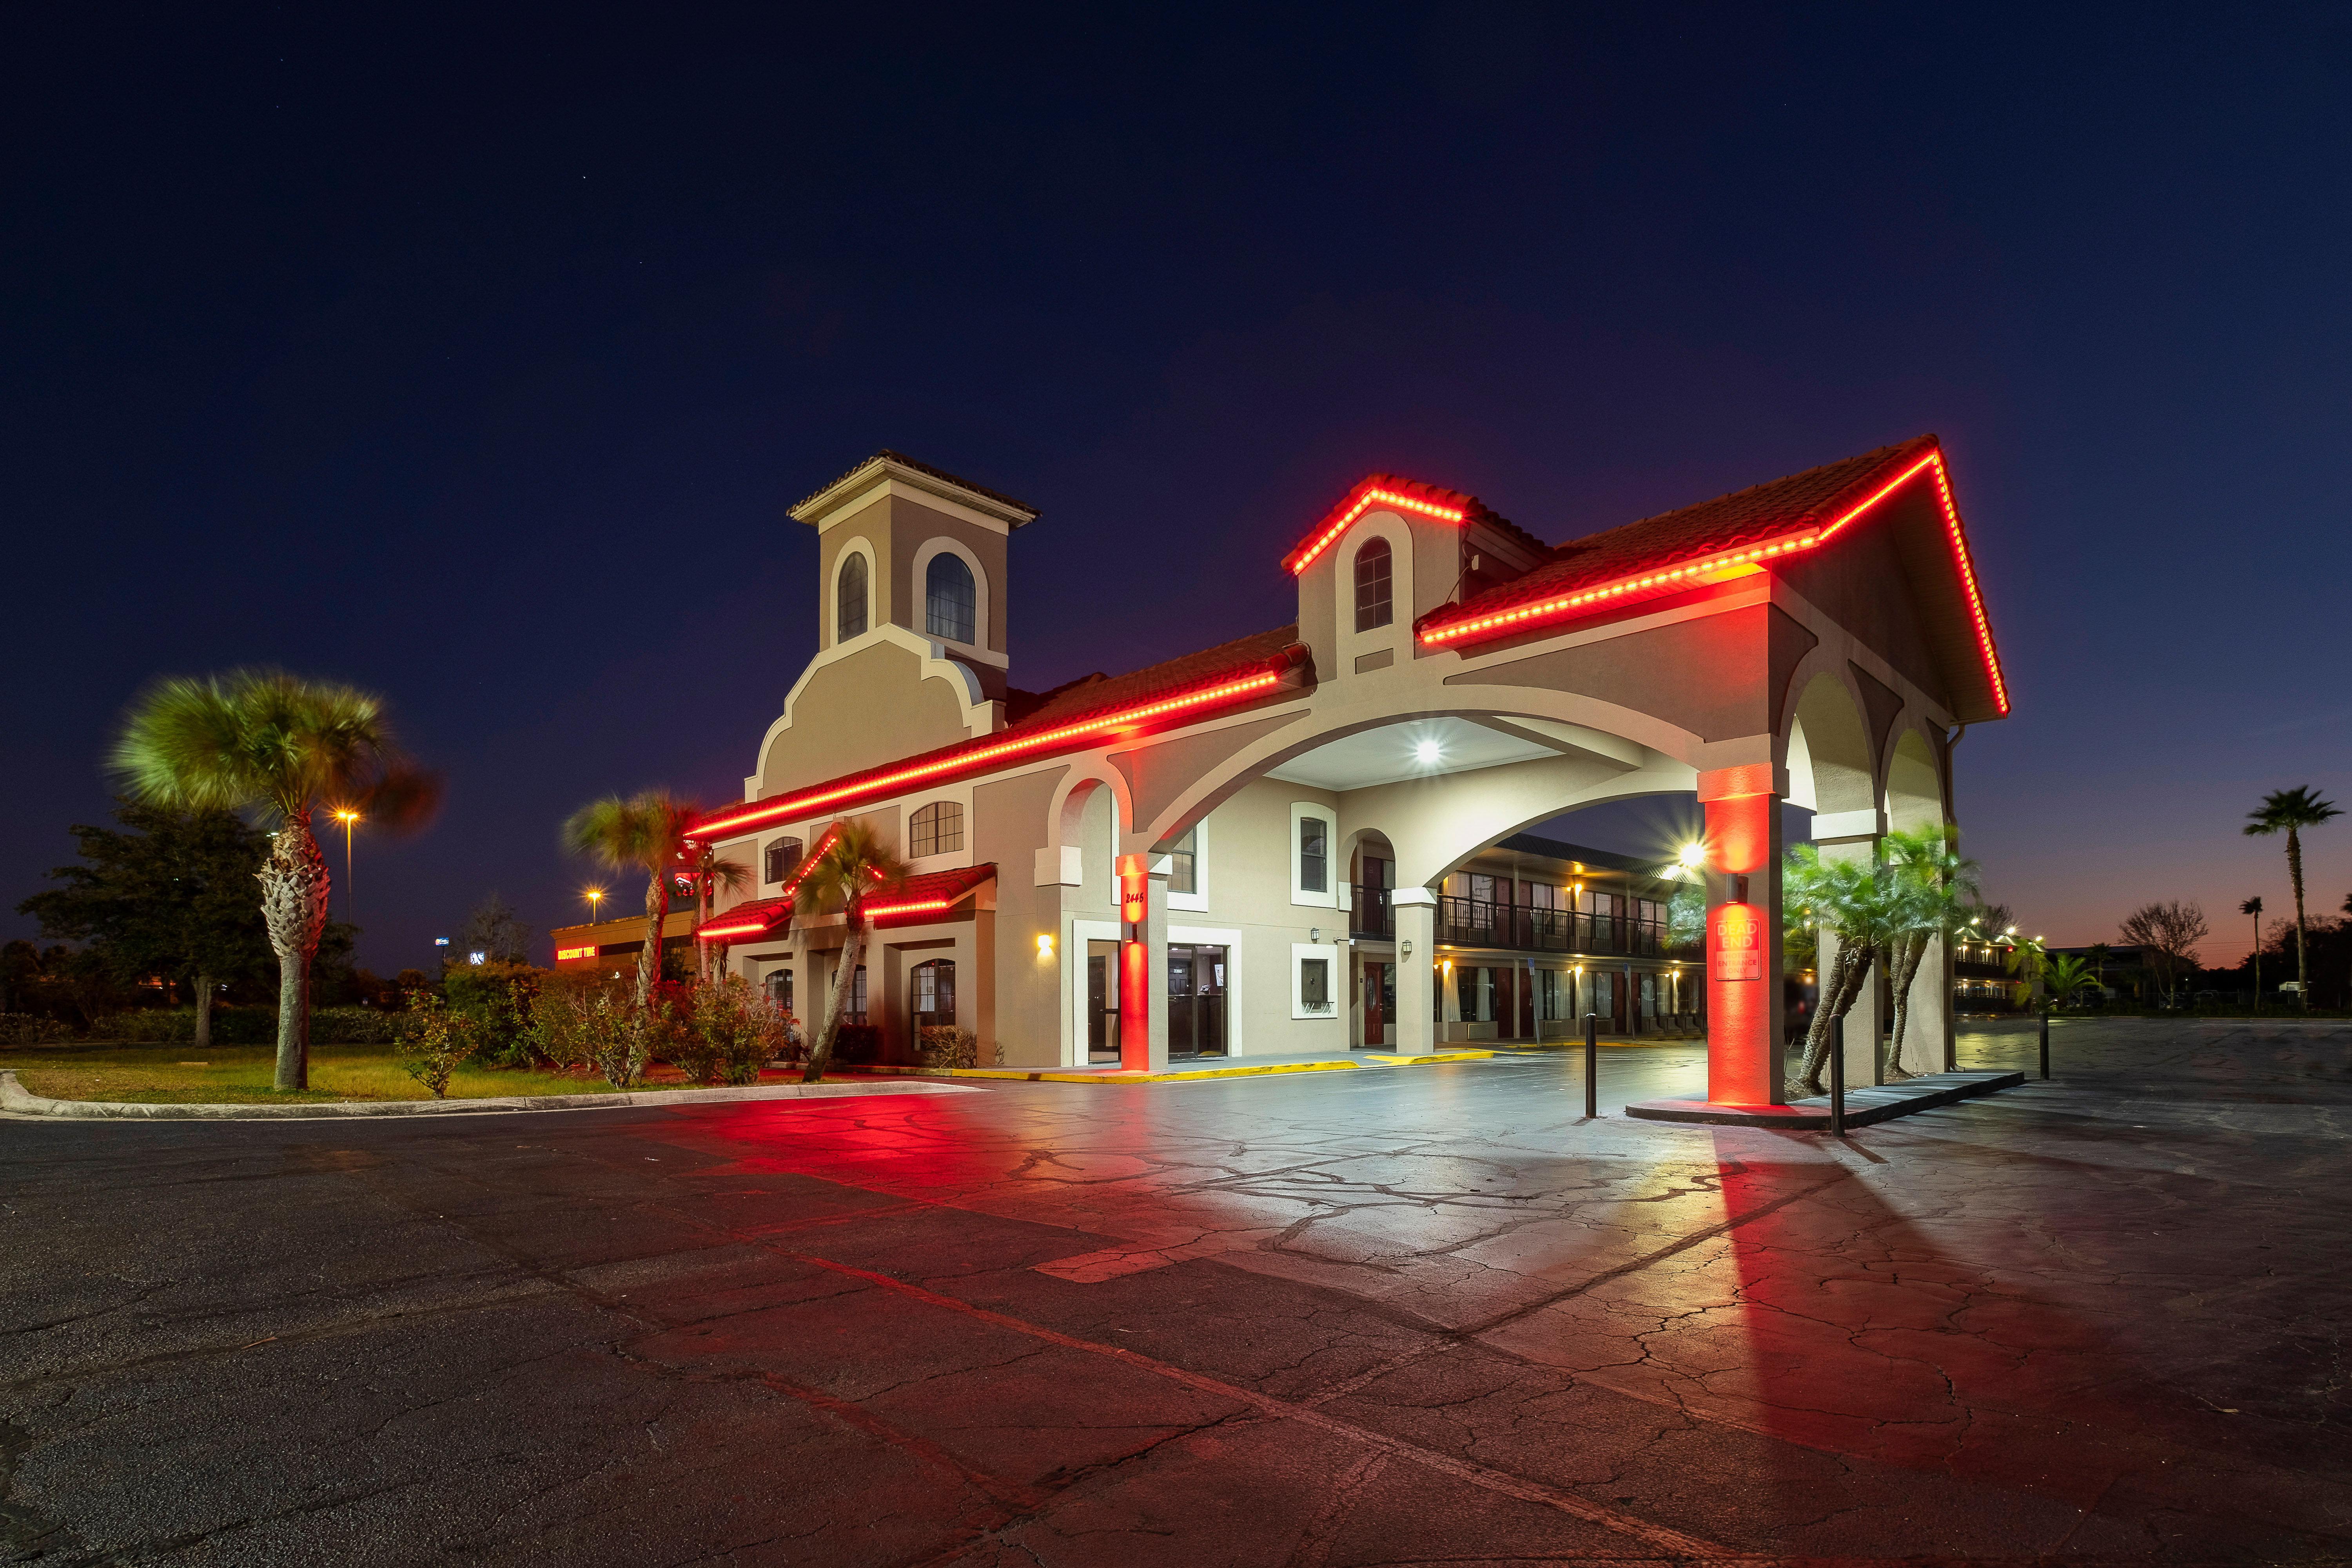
439	1038
345	1026
26	1029
947	1045
498	998
732	1032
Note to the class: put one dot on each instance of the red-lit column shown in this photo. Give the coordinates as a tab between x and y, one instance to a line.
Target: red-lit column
1743	934
1142	965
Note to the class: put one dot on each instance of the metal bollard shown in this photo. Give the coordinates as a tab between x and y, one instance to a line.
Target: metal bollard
1591	1065
1837	1088
2045	1047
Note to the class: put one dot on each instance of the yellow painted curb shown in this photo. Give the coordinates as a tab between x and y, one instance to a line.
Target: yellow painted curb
1178	1074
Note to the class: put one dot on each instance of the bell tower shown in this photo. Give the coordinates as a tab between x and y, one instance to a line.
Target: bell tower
905	544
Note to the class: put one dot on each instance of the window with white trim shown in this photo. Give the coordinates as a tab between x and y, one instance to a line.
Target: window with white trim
936	829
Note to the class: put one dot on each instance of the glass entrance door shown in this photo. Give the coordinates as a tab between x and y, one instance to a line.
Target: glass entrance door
1196	1000
1102	1001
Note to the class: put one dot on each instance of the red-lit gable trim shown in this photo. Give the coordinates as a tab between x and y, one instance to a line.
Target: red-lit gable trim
1378	490
755	919
973	756
1666	579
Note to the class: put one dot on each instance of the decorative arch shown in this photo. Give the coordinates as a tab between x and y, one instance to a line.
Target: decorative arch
1387	528
1831	761
983	590
1915	788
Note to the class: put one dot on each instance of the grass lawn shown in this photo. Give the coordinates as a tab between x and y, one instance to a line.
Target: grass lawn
240	1075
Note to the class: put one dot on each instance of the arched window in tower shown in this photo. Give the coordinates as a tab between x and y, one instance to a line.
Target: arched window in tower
1373	605
948	598
849	608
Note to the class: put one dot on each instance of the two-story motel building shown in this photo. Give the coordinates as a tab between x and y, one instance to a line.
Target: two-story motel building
1316	839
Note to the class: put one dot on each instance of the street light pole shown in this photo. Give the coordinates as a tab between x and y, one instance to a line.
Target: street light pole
350	889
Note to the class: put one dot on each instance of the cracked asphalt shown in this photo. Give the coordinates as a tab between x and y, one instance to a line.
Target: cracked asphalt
1419	1316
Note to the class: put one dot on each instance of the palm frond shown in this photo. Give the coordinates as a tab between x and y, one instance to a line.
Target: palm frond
264	738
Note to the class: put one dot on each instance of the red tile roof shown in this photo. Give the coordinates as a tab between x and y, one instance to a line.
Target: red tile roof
1068	718
747	922
1759	513
929	896
1680	549
920	468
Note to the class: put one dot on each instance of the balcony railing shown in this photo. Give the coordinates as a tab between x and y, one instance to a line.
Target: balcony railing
1369	911
1475	922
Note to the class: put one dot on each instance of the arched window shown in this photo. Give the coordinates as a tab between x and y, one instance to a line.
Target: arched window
849	608
1373	605
936	829
948	598
931	994
783	856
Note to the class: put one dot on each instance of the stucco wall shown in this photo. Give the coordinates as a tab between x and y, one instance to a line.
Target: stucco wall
860	711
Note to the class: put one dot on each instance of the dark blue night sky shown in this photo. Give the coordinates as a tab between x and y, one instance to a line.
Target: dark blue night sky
477	360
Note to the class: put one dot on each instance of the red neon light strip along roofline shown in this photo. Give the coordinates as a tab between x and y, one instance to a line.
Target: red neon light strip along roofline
799	805
876	911
1363	504
1790	544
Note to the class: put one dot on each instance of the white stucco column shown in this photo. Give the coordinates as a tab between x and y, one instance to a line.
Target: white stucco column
1415	910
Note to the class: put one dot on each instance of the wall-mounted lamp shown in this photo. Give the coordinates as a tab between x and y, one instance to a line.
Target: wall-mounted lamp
1045	944
1315	933
1405	949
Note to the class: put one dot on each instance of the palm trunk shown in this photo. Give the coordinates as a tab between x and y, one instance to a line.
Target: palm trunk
2302	965
294	894
2257	962
649	956
1908	959
836	999
204	1010
1854	964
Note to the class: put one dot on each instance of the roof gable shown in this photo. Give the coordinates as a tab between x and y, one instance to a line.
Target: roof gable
1729	536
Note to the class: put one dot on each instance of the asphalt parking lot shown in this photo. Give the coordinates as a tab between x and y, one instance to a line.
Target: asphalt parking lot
1420	1315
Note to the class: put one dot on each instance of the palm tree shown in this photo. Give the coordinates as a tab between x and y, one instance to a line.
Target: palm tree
2066	976
2290	811
1937	888
855	864
2026	959
2254	907
1857	900
645	832
710	874
264	741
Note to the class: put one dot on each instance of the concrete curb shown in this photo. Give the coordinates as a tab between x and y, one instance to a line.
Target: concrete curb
16	1100
1864	1106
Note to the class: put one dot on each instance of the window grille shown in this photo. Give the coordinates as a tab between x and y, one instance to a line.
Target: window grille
784	855
849	608
937	830
1373	607
1314	854
949	598
1183	868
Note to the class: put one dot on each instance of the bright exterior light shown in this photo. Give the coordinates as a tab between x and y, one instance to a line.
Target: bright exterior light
2009	930
1694	855
1427	751
1045	944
